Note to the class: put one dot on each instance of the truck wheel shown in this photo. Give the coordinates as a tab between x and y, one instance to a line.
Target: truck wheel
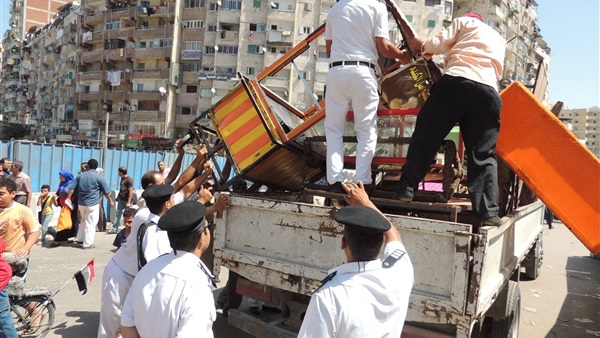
533	261
509	325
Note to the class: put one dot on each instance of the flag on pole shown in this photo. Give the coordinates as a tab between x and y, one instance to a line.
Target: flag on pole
84	276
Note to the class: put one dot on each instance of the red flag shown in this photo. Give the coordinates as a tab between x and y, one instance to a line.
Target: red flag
84	276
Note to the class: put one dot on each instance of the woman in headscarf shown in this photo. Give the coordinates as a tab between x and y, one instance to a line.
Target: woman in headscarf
66	177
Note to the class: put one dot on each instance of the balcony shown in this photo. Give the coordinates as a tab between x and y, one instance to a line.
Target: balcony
86	115
322	67
151	74
229	15
152	53
92	3
495	13
98	36
276	82
86	97
145	96
279	38
116	96
123	34
282	15
191	34
90	57
48	59
95	19
166	10
229	35
91	76
121	13
66	83
156	32
119	54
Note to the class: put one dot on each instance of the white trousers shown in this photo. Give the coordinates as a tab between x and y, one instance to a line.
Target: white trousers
88	217
115	286
355	86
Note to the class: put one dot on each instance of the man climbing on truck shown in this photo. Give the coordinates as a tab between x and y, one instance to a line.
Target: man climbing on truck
366	297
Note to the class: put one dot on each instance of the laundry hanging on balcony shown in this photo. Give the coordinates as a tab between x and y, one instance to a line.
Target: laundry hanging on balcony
114	77
147	10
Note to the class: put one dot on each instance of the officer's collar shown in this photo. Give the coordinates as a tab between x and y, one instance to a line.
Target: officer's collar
357	267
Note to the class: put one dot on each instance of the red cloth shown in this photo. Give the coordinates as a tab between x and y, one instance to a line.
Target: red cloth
5	269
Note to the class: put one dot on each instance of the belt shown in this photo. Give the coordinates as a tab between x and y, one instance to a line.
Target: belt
352	63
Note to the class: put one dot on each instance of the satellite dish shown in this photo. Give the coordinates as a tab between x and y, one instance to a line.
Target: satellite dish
213	90
177	91
127	70
217	48
219	2
273	5
505	82
264	49
162	90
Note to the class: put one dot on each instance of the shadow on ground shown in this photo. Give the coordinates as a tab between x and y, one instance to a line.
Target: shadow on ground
580	312
81	328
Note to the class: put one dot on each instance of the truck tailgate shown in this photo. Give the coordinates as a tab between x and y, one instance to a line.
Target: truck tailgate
292	245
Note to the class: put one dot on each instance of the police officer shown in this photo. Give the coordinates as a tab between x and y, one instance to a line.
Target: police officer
366	297
172	295
355	31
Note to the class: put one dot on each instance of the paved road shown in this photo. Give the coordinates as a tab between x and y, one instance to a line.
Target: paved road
562	302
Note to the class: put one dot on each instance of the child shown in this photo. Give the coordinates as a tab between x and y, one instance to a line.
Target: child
122	235
45	214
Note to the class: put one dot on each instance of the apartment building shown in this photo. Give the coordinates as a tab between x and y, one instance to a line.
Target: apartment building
585	124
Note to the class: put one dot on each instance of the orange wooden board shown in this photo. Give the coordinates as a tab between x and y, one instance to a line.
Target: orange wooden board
562	172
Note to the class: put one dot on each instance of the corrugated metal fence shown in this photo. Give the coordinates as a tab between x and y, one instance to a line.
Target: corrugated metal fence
42	162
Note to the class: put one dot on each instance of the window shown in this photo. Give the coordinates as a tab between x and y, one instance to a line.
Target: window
430	23
168	42
110	26
447	7
305	75
274	27
209	50
139	88
191	45
194	3
433	2
228	4
256	3
193	24
191	89
212	28
185	110
254	49
306	30
410	0
142	44
322	54
274	5
213	7
409	18
205	92
257	28
250	71
148	105
190	67
223	49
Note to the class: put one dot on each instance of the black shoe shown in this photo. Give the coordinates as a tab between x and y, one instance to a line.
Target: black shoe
336	188
492	221
54	244
405	195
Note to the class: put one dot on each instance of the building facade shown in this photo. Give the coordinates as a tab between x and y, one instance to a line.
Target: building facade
585	124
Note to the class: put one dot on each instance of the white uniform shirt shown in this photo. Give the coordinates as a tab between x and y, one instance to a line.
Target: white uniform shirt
352	25
362	300
171	297
126	255
473	50
156	242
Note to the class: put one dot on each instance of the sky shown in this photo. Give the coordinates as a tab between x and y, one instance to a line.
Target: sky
571	29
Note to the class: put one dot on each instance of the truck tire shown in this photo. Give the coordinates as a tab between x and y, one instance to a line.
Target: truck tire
533	260
508	327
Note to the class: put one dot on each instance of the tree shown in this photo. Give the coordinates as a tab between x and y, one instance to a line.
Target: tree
13	130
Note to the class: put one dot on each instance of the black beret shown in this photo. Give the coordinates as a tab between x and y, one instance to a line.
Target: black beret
183	218
362	219
158	192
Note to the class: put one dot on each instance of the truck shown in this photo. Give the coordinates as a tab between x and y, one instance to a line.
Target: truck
281	238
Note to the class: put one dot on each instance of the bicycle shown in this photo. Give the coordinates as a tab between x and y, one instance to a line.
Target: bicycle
32	309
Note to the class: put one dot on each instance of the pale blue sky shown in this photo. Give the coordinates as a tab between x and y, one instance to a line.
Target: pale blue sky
571	29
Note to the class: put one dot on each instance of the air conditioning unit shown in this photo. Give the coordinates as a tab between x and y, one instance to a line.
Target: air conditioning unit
286	33
121	109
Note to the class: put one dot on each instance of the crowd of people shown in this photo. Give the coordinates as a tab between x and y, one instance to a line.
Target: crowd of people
158	271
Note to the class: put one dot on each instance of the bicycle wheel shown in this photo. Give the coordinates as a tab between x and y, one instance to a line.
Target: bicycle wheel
33	316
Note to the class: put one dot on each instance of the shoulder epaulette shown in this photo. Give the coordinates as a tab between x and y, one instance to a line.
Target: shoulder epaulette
321	283
390	260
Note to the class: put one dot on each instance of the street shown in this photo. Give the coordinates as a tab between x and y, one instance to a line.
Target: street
562	302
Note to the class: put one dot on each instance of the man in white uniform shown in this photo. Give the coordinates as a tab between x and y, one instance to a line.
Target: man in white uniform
366	297
355	31
172	295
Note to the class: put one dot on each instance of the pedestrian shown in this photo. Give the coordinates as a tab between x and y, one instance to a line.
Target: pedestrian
176	287
162	169
18	226
124	198
24	191
121	237
83	168
6	165
7	325
366	297
549	217
68	219
466	94
356	30
89	186
46	213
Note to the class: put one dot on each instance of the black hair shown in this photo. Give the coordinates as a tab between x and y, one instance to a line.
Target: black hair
9	183
123	170
129	212
364	247
45	186
185	242
93	164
